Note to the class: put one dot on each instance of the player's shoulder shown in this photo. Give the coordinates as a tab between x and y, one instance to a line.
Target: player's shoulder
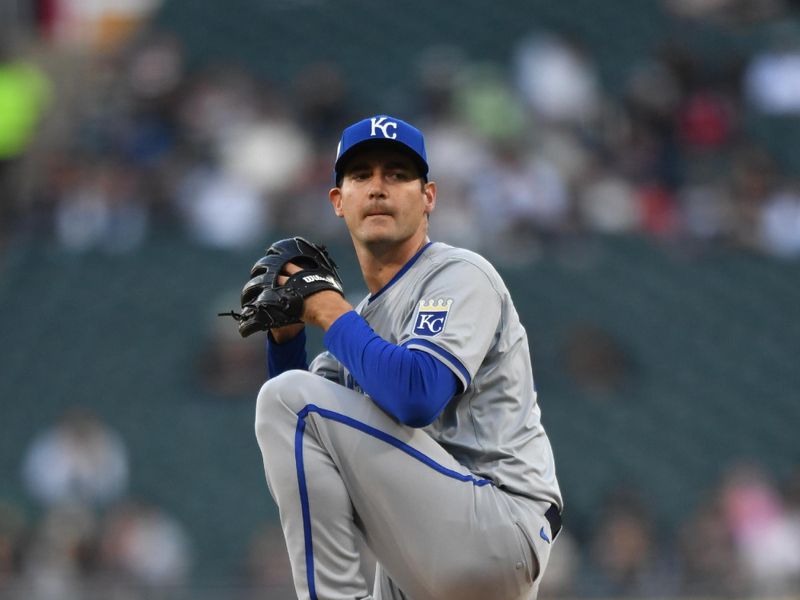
443	255
440	253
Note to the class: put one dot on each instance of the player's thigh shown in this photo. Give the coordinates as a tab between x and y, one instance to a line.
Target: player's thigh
428	519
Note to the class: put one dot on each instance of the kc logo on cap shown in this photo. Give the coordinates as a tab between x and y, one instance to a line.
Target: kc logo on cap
383	124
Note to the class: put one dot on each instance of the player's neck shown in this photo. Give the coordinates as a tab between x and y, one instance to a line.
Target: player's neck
379	263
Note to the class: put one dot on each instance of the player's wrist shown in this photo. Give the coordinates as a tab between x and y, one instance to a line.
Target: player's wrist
323	308
283	335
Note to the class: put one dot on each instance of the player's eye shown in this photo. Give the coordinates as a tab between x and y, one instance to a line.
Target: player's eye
400	175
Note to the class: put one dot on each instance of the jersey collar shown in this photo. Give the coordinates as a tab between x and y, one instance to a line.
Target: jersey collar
400	273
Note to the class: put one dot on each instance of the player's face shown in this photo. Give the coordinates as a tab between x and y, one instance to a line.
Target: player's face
383	200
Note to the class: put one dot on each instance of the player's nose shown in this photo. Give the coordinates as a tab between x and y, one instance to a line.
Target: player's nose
377	187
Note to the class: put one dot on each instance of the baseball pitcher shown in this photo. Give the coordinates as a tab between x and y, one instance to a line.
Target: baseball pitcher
418	430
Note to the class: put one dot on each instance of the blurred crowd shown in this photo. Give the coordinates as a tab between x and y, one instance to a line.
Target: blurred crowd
100	151
742	540
113	146
87	537
83	535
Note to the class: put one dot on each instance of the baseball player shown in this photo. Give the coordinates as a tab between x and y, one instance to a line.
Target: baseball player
418	430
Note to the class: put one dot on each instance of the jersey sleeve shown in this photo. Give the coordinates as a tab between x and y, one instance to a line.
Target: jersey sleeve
286	356
292	355
326	365
455	316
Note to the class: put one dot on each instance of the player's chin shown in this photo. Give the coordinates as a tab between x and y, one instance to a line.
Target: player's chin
379	231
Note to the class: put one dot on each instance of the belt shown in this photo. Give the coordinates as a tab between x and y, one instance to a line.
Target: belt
554	518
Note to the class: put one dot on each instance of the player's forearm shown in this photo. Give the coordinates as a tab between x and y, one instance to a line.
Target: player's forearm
283	355
412	386
286	346
324	308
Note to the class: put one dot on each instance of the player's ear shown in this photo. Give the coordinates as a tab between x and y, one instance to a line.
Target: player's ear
335	196
429	193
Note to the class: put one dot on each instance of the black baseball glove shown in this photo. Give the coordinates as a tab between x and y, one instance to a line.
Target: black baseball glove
265	304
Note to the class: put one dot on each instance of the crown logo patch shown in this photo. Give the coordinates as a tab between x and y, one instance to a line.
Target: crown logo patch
432	316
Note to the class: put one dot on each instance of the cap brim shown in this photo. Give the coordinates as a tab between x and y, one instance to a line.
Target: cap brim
341	162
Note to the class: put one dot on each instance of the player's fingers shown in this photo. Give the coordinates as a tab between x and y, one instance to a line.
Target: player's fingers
290	268
287	270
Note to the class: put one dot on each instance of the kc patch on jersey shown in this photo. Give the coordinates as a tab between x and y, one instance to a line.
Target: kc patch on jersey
432	316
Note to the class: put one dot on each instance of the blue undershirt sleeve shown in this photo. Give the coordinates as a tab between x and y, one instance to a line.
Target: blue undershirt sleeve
411	385
286	356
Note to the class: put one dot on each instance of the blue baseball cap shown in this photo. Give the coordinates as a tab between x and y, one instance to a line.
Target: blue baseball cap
381	128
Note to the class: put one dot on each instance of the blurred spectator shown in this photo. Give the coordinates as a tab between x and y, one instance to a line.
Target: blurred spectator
707	554
753	179
595	359
219	210
321	95
659	210
654	91
62	555
25	93
557	79
25	96
727	11
707	209
79	459
305	207
651	147
792	521
518	198
12	539
765	535
100	25
102	208
144	546
706	119
485	101
779	223
772	77
267	563
438	70
624	552
606	203
155	68
216	101
457	149
267	153
228	365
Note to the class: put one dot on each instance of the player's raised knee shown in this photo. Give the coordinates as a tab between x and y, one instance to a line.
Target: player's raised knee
283	396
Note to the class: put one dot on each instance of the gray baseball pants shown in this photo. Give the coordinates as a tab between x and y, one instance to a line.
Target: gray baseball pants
340	469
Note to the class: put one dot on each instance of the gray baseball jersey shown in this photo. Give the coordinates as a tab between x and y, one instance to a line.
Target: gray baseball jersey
456	510
452	303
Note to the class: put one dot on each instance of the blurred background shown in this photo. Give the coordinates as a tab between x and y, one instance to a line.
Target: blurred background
631	167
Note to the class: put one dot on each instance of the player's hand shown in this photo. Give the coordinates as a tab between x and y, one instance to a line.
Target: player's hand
281	335
292	270
320	309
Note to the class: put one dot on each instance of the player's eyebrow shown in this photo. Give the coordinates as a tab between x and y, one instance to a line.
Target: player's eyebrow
400	163
393	163
357	165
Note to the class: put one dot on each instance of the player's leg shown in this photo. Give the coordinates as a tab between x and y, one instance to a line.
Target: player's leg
332	457
324	558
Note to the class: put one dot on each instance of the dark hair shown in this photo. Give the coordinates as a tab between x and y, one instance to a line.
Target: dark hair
420	167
